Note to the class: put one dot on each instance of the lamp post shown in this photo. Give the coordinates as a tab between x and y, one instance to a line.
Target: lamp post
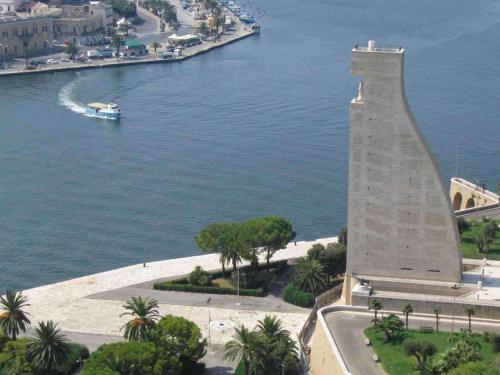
50	46
454	287
238	288
283	369
209	319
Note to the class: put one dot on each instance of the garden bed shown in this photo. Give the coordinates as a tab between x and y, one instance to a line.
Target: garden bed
220	285
392	354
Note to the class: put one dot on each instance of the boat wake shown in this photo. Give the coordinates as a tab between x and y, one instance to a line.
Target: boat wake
67	99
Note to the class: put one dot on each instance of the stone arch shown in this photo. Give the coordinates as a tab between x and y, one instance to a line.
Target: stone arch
457	202
470	203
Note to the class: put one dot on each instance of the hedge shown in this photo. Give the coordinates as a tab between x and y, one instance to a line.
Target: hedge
295	296
207	289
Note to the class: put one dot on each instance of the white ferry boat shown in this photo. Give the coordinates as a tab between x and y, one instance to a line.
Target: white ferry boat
109	111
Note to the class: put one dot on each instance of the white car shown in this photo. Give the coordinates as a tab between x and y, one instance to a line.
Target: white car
65	59
52	61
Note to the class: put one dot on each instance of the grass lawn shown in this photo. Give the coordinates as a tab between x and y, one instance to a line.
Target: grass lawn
394	359
469	248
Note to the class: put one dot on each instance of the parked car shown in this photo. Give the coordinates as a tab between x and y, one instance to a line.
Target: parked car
56	42
81	58
65	59
52	61
37	62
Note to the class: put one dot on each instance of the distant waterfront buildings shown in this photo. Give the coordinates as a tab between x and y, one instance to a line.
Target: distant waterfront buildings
32	27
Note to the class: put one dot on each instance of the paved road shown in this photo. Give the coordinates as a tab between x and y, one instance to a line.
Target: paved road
347	330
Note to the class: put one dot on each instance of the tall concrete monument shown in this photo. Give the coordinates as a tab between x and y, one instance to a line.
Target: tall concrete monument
400	221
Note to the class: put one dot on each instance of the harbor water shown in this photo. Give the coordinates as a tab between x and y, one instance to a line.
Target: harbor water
259	127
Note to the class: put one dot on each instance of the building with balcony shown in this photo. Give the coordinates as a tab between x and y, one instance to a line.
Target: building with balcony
80	24
31	34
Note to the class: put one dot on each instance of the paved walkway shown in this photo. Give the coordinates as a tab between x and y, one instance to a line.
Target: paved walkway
75	306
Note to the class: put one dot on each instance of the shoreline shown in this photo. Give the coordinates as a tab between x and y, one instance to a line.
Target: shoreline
150	59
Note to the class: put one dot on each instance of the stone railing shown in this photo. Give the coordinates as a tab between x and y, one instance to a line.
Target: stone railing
324	299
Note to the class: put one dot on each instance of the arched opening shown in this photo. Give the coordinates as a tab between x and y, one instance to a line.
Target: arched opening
457	202
470	203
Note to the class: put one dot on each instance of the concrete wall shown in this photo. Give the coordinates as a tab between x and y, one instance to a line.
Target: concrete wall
325	357
400	220
483	309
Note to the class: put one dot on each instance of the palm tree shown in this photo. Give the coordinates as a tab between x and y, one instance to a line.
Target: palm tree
50	348
437	311
469	310
203	28
116	41
272	328
407	310
155	45
145	314
247	347
375	305
309	275
13	318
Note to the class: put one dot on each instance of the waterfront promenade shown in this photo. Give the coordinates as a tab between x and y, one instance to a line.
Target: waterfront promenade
89	305
240	31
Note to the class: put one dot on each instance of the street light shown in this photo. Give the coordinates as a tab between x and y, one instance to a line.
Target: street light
238	292
283	369
209	320
454	287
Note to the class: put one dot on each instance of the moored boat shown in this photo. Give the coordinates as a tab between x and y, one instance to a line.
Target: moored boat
109	111
246	18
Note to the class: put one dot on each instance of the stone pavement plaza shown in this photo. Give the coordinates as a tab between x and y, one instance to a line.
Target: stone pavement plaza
68	302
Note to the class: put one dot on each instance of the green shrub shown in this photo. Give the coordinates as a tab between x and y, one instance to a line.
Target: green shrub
199	277
295	296
77	352
132	358
207	289
247	279
495	342
177	335
123	8
486	336
13	358
193	368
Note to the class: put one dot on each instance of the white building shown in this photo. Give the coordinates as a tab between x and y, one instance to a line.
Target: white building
8	6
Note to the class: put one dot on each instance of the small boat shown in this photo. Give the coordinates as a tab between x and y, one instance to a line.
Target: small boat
246	18
109	111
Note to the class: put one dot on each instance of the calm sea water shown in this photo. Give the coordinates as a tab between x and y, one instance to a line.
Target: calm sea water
259	127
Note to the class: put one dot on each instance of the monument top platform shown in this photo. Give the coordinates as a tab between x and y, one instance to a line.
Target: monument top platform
372	47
